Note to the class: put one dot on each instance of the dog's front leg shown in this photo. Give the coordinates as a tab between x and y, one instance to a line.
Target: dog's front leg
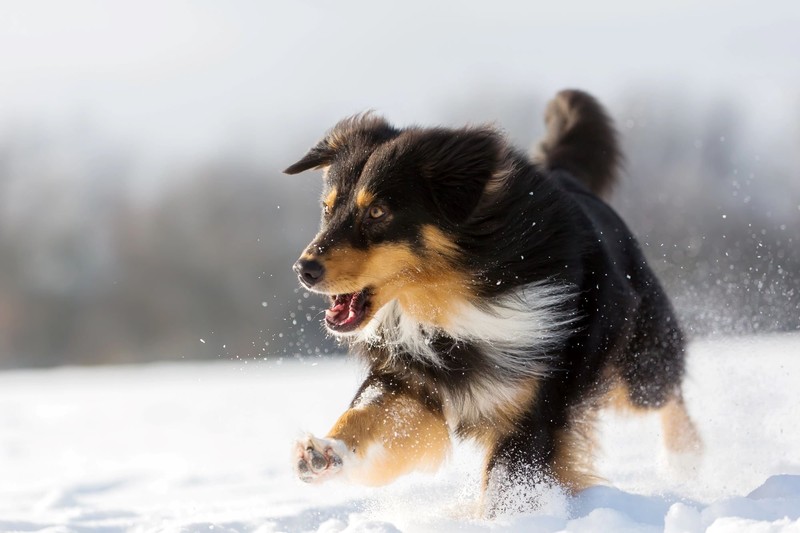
389	430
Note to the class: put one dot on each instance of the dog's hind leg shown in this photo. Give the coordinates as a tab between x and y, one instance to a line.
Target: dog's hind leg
384	434
680	433
649	372
682	442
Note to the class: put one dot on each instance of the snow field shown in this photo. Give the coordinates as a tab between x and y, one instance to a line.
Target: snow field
206	447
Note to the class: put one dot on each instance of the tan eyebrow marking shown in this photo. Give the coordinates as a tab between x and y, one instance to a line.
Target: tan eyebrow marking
364	198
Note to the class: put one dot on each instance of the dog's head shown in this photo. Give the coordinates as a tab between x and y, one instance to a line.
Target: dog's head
392	203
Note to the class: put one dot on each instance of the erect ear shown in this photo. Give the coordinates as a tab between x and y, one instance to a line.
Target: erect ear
458	164
364	131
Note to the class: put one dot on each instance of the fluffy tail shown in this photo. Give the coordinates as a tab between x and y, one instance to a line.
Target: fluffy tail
581	139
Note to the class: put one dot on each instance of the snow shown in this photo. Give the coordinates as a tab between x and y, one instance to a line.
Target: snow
205	447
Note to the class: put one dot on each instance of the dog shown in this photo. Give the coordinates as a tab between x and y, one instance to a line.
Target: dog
493	296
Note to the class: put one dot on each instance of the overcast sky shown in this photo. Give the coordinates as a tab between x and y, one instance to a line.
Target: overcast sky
184	75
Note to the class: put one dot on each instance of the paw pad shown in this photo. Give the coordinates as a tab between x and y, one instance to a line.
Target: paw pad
316	460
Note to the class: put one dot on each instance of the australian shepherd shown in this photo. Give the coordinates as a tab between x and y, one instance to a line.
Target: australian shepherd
493	296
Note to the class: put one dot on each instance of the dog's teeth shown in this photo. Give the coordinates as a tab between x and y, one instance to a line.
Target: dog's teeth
333	315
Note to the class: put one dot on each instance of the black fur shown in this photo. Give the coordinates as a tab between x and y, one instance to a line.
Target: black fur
515	222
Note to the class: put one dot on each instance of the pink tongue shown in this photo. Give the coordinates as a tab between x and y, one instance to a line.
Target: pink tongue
339	313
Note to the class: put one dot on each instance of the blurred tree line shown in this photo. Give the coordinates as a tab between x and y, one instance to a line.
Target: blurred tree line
93	270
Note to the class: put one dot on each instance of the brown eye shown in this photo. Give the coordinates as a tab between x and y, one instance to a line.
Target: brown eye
375	212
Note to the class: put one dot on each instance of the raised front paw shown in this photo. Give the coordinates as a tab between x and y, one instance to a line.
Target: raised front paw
316	459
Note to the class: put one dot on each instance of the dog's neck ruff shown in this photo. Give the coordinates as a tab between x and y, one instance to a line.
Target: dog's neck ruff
516	331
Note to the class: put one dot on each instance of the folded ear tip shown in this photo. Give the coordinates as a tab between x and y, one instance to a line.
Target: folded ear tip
310	161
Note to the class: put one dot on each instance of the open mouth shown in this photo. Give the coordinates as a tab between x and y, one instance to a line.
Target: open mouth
347	311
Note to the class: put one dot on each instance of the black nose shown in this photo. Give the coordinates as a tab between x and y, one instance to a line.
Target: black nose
310	271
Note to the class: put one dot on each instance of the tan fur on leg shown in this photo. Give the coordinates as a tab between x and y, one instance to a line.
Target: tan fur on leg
575	446
680	433
391	437
618	399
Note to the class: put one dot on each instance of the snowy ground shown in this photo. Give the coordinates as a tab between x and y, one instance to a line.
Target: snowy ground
200	447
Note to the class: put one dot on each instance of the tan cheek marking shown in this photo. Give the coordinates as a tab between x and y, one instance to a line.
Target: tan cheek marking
394	436
348	269
432	298
426	286
364	198
342	270
438	243
436	290
330	198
